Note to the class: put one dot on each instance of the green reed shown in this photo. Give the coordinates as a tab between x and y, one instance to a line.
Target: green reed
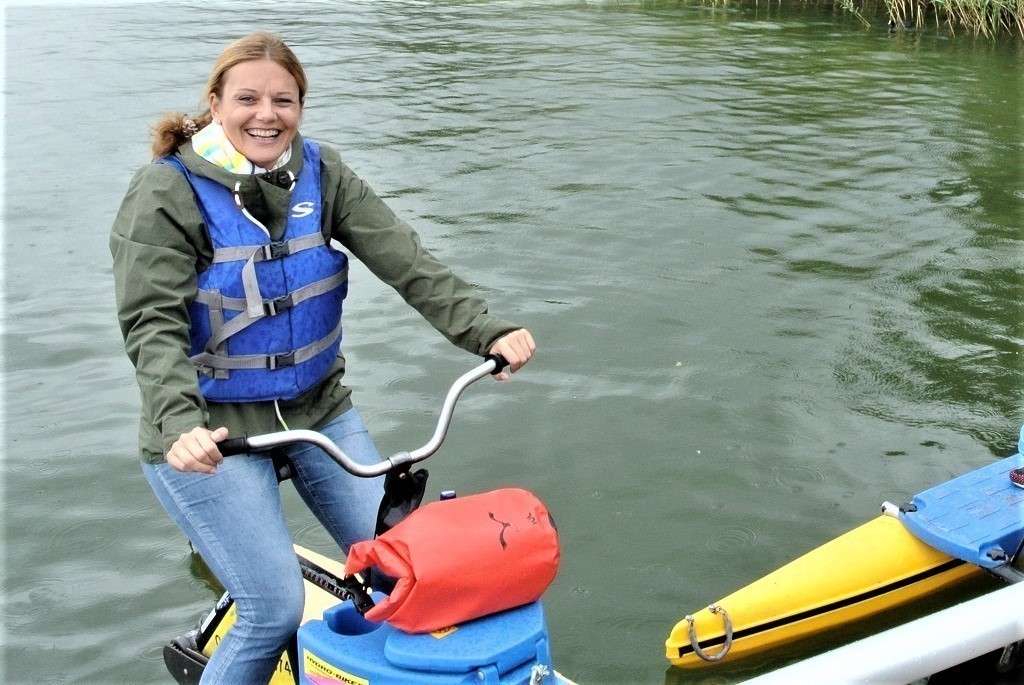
979	17
988	18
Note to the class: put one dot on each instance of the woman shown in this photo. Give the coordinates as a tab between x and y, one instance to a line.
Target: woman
229	298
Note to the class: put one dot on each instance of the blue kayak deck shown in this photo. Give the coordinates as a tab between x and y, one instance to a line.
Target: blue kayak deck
977	517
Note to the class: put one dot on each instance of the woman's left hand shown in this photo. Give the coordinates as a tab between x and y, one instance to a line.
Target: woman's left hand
516	347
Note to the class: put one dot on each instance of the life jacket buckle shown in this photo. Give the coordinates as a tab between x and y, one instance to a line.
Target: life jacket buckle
279	361
278	305
276	250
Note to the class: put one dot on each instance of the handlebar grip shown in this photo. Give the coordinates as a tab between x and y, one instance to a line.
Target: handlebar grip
233	446
499	363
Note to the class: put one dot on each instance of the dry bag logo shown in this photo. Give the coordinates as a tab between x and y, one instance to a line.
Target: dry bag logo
501	534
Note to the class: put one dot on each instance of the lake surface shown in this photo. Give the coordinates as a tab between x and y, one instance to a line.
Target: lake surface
772	257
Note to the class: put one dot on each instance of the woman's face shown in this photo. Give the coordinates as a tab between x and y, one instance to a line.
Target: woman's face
259	110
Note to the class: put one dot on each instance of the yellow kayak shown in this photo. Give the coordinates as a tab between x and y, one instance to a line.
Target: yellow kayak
875	567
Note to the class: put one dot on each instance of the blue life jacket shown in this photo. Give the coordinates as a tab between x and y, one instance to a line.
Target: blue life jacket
266	321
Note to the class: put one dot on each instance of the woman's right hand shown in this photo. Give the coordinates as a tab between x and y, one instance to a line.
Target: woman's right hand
197	450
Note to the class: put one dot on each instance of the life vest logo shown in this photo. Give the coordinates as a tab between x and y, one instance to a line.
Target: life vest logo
303	209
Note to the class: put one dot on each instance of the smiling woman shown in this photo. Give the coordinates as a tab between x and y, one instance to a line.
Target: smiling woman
229	293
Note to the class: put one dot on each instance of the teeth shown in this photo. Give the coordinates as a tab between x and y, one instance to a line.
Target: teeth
263	134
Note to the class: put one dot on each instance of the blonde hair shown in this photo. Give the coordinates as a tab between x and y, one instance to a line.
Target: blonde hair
176	128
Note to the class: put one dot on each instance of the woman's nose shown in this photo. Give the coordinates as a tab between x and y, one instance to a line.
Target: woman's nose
266	110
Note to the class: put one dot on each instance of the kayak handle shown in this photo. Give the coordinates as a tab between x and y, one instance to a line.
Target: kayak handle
714	609
493	364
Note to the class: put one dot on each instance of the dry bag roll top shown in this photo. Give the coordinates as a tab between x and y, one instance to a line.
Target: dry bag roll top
463	558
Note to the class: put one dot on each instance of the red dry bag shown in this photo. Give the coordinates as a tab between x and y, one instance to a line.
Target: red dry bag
463	558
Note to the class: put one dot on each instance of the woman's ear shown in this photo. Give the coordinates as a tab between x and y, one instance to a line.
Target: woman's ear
215	108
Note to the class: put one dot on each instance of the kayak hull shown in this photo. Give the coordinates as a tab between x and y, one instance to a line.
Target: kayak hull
975	642
871	569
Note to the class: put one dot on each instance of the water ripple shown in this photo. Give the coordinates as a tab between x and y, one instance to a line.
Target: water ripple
88	535
27	603
796	478
731	539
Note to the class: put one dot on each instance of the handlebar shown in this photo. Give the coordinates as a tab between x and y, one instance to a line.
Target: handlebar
493	364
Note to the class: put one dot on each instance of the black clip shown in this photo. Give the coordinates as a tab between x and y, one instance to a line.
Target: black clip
276	306
277	250
279	361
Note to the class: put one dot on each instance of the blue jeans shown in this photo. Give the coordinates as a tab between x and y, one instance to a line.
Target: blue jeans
235	522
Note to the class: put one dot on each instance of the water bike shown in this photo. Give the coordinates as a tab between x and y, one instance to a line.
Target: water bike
964	529
339	643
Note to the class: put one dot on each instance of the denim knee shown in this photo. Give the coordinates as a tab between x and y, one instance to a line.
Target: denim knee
276	616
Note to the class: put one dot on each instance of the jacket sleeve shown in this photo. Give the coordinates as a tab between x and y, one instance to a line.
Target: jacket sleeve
153	245
392	251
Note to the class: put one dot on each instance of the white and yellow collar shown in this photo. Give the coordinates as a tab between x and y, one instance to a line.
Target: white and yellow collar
212	144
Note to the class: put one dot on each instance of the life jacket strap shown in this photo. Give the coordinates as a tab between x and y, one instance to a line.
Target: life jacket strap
251	284
267	251
210	363
217	303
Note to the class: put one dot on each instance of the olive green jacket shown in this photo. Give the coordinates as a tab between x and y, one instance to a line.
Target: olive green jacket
159	244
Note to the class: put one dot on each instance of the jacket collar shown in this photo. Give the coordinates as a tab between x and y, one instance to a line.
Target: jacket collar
279	177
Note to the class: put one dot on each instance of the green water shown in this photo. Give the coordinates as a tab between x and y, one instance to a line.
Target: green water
773	260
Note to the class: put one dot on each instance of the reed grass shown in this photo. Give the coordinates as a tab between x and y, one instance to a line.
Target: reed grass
988	18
